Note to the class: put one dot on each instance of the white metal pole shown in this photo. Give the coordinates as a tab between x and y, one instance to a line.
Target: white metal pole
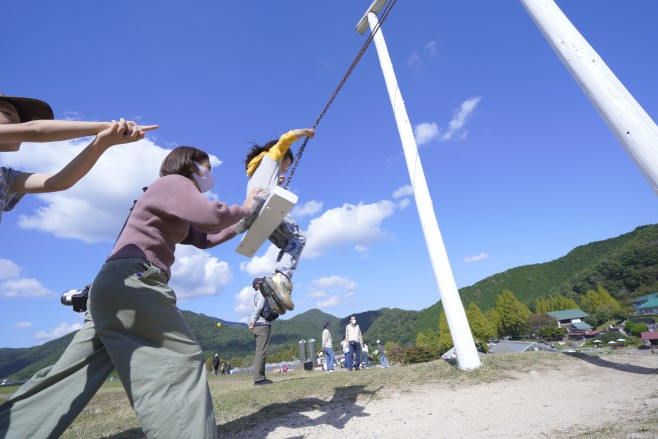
627	120
467	355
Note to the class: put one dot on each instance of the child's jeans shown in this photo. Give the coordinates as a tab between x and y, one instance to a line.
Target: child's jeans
291	241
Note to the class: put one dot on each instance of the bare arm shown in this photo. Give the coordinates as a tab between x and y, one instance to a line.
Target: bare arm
118	133
304	132
53	130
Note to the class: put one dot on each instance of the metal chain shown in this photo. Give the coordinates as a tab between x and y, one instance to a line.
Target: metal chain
298	156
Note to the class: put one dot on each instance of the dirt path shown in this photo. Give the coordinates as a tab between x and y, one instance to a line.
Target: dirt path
583	399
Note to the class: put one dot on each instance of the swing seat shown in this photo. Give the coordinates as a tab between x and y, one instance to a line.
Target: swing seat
274	210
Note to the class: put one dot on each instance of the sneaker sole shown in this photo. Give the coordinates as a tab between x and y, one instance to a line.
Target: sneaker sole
267	292
281	298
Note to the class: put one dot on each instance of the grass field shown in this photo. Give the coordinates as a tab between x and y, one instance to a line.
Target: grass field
239	405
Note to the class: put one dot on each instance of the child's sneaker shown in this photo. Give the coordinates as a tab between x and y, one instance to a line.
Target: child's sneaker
281	288
260	285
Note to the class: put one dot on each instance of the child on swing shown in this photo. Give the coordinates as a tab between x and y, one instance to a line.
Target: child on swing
266	165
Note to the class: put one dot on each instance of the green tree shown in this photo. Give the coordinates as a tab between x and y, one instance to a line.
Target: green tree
428	340
495	319
481	327
514	314
445	338
537	322
541	306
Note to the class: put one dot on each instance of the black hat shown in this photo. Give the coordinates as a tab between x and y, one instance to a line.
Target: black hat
28	108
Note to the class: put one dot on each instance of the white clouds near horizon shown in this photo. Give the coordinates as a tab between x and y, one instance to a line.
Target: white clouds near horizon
61	330
13	285
196	273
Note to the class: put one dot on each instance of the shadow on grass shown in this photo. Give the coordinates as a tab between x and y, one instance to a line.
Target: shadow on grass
336	413
601	362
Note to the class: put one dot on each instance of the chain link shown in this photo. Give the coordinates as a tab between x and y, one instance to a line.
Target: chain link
298	156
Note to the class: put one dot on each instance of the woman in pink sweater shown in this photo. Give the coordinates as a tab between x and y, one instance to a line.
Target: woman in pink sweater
133	324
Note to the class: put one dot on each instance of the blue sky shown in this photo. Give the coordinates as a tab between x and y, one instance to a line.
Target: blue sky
520	166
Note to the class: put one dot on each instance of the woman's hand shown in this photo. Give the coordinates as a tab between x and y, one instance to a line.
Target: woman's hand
123	131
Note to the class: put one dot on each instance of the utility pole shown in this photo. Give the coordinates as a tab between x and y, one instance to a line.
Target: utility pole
467	355
631	125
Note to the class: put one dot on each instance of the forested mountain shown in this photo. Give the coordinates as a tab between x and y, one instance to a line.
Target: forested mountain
626	266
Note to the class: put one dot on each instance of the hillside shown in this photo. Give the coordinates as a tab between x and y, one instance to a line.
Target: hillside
627	266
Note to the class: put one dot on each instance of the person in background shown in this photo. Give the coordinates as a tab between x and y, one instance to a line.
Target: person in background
382	354
215	364
261	330
364	355
327	345
355	340
346	349
31	120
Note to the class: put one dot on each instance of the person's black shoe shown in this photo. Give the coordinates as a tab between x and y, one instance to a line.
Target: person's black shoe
261	382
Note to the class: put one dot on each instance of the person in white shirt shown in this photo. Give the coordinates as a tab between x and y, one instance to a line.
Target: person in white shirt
355	340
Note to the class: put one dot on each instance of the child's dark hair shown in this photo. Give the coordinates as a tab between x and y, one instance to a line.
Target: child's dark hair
179	161
257	149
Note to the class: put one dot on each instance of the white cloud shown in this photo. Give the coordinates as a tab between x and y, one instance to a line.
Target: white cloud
96	207
414	61
341	288
8	269
429	131
330	302
404	191
261	265
317	294
244	301
430	49
476	258
459	118
22	325
335	282
196	273
358	225
63	329
306	209
426	132
13	285
404	203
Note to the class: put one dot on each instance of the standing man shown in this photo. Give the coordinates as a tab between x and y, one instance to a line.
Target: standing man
261	329
355	340
215	363
382	355
327	345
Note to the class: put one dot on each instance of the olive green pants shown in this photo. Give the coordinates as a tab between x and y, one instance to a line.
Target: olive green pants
132	325
262	336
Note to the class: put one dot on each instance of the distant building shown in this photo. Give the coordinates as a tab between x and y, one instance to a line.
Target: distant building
651	337
647	304
571	320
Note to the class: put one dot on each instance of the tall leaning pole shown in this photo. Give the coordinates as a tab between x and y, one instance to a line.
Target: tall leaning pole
627	120
467	355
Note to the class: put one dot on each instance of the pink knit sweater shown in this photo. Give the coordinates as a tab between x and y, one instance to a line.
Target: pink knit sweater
173	211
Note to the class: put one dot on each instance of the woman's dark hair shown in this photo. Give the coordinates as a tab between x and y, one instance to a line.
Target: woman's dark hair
257	149
326	325
179	161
